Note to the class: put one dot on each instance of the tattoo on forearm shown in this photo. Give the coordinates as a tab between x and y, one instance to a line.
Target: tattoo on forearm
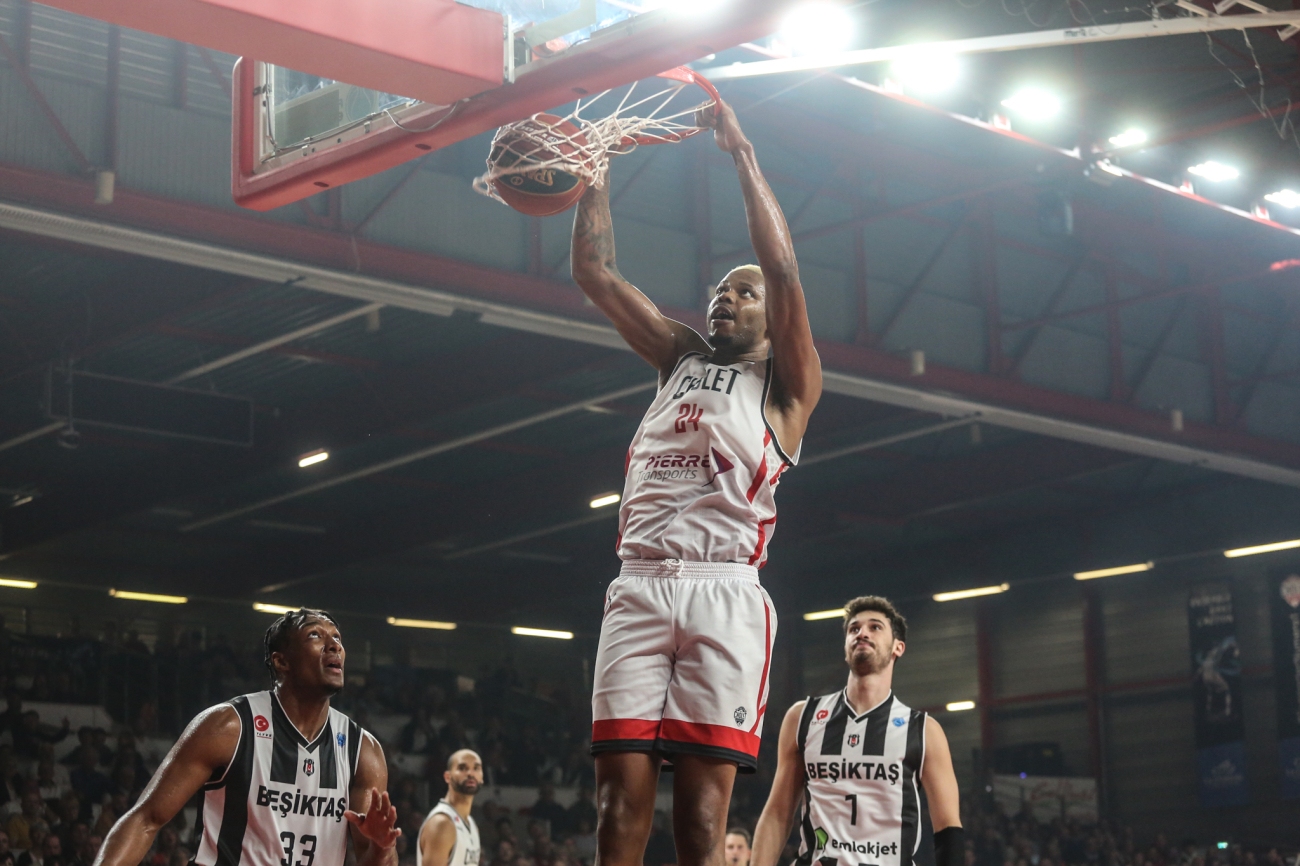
593	235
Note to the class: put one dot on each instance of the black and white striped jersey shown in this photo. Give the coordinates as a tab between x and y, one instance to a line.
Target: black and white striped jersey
280	801
861	805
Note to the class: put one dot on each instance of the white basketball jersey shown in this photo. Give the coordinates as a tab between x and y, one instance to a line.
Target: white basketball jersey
466	850
703	468
861	805
280	801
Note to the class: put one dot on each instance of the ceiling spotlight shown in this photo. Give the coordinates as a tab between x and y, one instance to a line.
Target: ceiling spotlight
1262	548
958	706
1114	572
276	609
1214	171
971	593
605	499
541	632
16	583
824	614
927	70
1034	104
421	623
817	27
1129	138
1284	198
147	596
311	458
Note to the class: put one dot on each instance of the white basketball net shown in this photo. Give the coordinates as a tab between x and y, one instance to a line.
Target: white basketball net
662	117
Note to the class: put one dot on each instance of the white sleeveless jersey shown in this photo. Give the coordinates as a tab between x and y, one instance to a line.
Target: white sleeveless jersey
466	851
280	801
703	468
861	805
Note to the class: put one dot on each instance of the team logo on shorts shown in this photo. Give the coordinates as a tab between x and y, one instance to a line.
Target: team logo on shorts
308	766
853	740
739	715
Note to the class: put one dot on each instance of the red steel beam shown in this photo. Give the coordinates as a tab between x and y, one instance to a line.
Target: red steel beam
435	50
239	230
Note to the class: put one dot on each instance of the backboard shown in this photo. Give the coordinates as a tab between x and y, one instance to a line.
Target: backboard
296	134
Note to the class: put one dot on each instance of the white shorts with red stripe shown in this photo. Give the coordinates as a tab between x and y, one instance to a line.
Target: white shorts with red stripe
684	660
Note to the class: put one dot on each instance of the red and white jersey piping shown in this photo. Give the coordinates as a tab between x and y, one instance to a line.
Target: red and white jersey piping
703	467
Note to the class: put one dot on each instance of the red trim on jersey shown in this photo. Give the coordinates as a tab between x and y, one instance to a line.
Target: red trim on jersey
767	661
758	480
777	477
709	735
624	729
627	461
762	540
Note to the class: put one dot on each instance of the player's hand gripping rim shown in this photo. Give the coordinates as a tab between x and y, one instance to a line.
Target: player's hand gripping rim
379	824
721	118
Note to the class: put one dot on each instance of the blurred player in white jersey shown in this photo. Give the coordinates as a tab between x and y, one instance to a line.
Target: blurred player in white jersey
685	644
449	836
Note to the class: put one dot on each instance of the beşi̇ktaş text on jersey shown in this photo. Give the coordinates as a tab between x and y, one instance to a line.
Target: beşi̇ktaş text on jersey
703	467
860	776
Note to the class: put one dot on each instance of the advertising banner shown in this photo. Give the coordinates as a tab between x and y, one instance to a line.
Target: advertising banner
1286	673
1216	696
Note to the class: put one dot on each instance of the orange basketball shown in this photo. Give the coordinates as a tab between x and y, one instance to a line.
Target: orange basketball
543	190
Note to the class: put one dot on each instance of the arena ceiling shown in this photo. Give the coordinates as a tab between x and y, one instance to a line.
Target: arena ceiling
473	405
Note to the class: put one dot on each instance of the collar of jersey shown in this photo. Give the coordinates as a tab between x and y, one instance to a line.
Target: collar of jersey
277	707
844	696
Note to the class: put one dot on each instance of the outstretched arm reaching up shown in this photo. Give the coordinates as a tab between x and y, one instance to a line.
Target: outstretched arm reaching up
661	341
797	370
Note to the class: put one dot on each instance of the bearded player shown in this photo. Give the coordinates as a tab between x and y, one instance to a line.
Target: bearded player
685	644
285	778
449	836
852	760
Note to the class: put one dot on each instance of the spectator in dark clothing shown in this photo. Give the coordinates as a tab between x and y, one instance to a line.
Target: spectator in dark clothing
546	809
48	853
90	784
12	716
583	809
30	733
85	740
660	850
127	753
418	737
127	784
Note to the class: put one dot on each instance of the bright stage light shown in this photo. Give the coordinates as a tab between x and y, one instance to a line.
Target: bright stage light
1284	197
817	27
421	623
276	609
15	583
312	458
147	596
1113	572
927	70
605	499
1214	172
1129	138
971	593
1034	104
824	614
1262	548
542	632
958	706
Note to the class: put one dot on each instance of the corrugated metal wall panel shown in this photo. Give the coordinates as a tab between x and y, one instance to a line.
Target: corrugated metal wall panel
1038	640
1146	628
68	45
26	138
173	153
147	66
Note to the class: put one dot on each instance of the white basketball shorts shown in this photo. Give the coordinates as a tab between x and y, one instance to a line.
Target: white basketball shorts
684	660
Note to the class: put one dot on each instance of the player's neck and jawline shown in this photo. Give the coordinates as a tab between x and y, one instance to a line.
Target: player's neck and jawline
462	803
865	692
308	713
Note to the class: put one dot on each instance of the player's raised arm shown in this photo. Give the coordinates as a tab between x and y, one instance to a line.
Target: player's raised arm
661	341
787	789
940	783
372	816
207	745
797	384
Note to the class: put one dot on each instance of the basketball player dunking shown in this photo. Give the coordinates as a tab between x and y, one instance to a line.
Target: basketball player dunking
685	644
449	836
284	777
853	758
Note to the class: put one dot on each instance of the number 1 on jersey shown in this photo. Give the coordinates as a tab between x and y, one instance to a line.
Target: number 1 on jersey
853	807
688	413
